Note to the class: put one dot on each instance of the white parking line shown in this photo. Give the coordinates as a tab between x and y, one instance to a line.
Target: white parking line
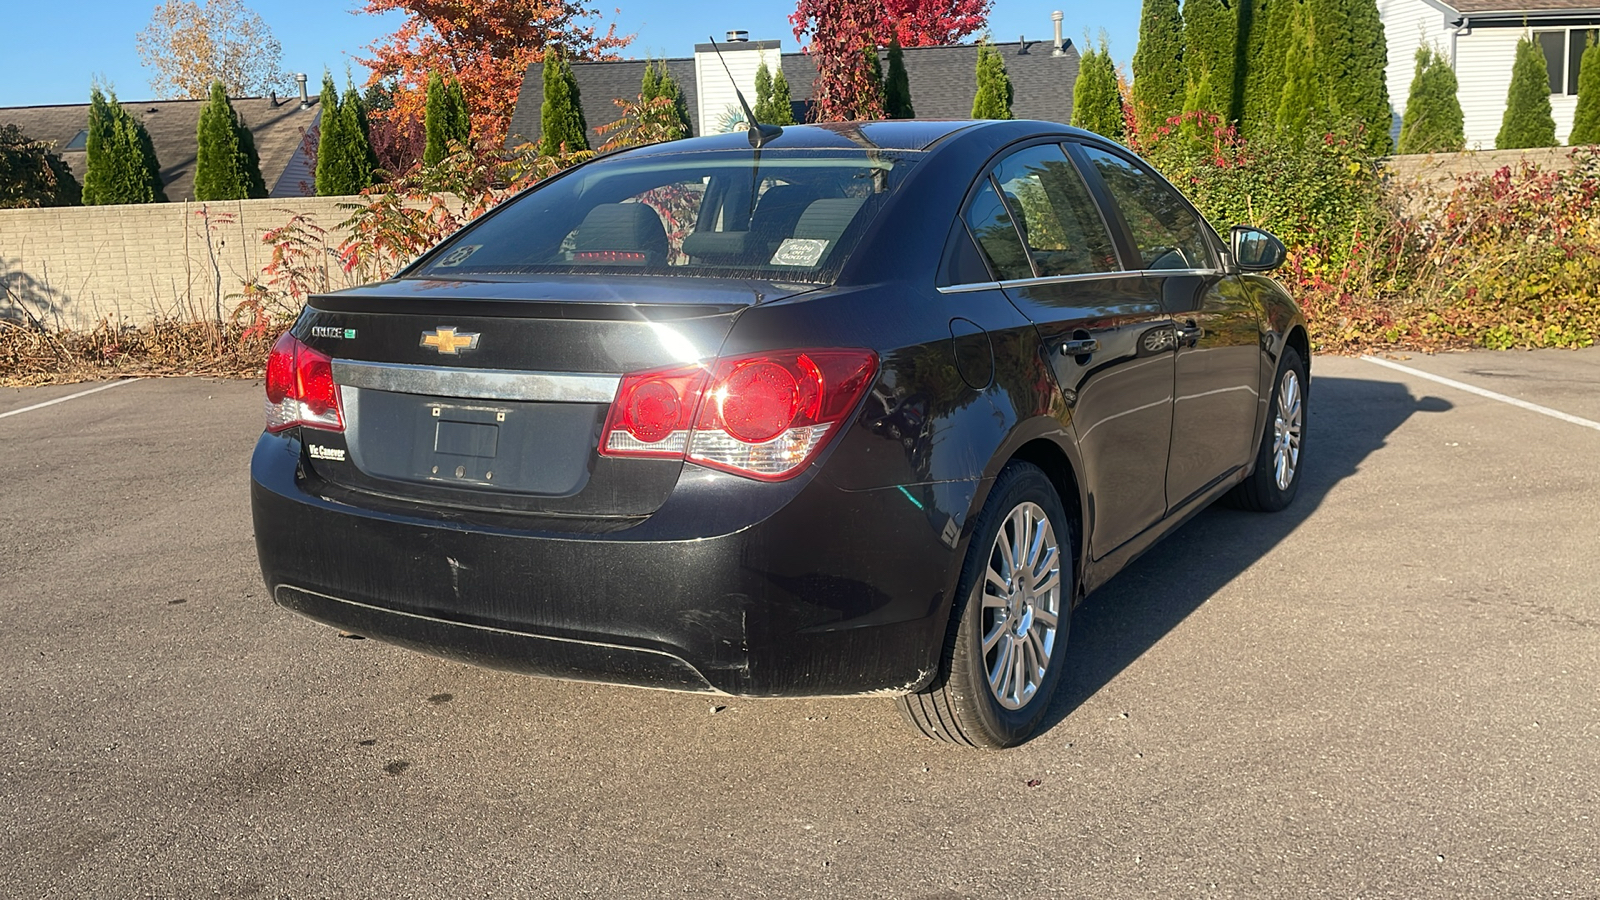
1473	389
93	390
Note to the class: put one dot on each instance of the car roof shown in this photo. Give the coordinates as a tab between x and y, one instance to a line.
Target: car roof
903	135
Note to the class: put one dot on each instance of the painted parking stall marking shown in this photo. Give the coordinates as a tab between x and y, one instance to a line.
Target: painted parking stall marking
93	390
1482	392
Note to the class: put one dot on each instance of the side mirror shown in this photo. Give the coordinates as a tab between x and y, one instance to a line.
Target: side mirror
1255	250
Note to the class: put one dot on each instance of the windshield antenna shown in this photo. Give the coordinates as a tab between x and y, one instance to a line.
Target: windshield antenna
760	135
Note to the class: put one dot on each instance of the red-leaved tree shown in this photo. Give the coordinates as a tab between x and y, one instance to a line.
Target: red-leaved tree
842	33
925	23
488	44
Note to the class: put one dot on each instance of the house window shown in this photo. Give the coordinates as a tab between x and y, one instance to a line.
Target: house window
80	141
1563	54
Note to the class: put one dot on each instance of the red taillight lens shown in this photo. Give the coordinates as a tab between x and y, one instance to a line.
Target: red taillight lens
300	388
763	415
653	411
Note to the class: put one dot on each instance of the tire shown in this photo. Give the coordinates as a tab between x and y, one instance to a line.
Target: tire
1282	450
963	704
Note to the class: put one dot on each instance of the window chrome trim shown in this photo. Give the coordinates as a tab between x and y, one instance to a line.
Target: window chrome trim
480	384
1069	279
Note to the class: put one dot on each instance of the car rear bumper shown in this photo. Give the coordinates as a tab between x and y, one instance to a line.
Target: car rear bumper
733	586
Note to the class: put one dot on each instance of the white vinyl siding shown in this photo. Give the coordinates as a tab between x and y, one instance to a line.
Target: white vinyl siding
713	89
1407	25
1484	59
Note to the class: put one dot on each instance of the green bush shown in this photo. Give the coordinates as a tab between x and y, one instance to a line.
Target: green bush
897	85
1159	77
1096	100
1586	121
32	174
226	165
561	124
1528	121
1433	120
121	165
446	119
995	92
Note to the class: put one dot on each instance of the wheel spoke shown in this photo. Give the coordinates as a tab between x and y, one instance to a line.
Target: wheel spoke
1044	618
1008	558
993	636
997	581
1041	655
1044	563
1000	675
1050	583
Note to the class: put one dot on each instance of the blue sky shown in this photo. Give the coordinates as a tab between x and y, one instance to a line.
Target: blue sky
54	49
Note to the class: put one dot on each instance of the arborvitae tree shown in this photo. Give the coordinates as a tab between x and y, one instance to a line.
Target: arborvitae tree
226	166
329	140
346	163
1586	121
363	160
1433	121
897	84
1271	33
993	100
1159	77
1352	58
1210	32
782	103
1096	102
1304	103
875	68
121	165
763	107
561	121
658	82
1528	121
446	119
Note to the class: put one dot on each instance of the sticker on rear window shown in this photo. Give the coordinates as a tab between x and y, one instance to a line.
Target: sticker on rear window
799	252
457	256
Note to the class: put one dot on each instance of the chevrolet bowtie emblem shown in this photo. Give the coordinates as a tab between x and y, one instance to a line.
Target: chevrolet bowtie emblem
447	341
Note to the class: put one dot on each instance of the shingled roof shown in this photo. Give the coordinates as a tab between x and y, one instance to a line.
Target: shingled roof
278	128
943	85
1519	7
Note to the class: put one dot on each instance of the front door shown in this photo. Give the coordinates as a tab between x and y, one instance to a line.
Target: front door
1110	341
1216	387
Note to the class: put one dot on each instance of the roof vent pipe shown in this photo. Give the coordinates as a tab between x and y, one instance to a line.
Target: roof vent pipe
738	37
1060	50
305	99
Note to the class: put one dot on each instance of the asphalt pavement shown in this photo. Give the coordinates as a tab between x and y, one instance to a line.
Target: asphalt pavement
1390	690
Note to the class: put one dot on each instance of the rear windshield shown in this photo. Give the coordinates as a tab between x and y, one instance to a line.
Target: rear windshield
780	215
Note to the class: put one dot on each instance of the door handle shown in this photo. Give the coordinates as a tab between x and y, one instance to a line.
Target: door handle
1079	347
1190	333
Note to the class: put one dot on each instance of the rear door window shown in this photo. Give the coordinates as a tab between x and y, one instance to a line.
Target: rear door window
1061	225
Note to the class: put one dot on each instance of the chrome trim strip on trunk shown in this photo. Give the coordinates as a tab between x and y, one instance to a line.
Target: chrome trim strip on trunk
482	384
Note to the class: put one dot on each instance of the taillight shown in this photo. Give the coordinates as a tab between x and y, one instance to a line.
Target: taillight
763	415
300	388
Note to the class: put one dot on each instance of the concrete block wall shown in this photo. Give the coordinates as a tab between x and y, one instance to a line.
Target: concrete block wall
73	267
1443	169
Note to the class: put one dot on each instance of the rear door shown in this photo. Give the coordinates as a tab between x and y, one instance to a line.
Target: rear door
1217	321
1109	339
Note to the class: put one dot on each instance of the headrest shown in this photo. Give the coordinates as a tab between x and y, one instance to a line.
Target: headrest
827	219
621	234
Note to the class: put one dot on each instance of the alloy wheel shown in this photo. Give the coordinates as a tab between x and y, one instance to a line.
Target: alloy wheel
1021	605
1287	429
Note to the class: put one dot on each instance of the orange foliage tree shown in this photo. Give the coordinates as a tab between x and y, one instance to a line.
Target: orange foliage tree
488	44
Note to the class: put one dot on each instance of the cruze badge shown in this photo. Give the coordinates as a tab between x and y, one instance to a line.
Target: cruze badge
449	341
